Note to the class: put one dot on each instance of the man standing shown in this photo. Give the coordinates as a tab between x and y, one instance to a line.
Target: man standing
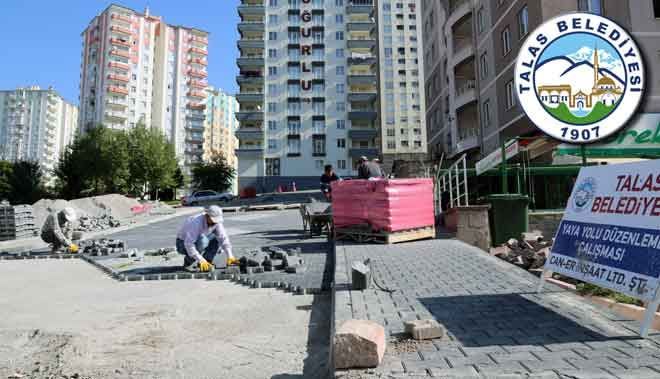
376	163
367	169
58	230
206	233
328	177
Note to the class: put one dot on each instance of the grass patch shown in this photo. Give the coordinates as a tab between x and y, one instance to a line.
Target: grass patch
598	112
587	289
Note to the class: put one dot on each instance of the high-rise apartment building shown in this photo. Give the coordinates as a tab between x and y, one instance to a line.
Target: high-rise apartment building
136	69
401	81
220	126
471	47
35	125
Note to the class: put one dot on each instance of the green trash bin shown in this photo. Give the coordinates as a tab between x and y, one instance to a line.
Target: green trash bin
508	216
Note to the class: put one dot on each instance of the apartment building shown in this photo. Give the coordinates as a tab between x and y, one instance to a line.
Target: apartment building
220	125
137	69
401	81
35	125
471	47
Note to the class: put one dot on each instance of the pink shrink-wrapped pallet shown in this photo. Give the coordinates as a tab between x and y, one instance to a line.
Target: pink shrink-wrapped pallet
401	204
387	205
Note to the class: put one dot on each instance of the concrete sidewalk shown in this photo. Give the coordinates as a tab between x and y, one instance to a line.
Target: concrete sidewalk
497	325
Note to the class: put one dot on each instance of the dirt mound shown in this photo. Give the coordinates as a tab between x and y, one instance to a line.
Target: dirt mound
43	207
116	205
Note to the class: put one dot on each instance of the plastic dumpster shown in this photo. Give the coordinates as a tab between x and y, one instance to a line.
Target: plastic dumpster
508	216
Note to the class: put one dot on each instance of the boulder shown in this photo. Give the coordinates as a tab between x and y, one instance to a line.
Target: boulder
424	329
359	344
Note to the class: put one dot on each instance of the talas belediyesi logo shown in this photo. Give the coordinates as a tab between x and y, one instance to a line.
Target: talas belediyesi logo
579	77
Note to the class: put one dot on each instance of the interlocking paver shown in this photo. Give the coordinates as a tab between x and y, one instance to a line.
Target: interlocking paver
638	373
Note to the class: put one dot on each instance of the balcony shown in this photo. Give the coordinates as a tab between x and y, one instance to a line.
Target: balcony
196	116
248	78
256	43
361	79
357	152
120	17
457	10
360	7
250	97
197	73
198	39
362	96
362	114
197	51
199	61
116	102
251	10
197	94
465	93
252	134
118	90
119	42
119	65
197	107
194	138
250	151
118	78
250	61
361	43
120	53
120	30
250	26
463	49
468	139
362	134
115	116
197	84
250	114
360	26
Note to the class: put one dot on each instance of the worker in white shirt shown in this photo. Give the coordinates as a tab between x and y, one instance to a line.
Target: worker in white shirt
200	238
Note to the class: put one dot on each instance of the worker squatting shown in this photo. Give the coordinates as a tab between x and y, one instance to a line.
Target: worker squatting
631	205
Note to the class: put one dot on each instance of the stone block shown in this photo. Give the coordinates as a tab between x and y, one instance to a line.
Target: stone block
424	329
359	344
533	236
360	276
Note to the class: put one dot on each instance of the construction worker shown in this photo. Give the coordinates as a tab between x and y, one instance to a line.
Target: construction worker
328	177
376	163
58	230
367	169
203	233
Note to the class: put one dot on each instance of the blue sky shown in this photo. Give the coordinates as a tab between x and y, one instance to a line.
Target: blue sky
571	44
41	42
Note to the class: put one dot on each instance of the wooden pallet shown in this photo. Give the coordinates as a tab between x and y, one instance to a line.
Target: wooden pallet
361	234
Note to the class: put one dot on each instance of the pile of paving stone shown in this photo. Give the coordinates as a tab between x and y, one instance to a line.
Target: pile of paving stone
95	224
102	247
16	221
529	251
272	258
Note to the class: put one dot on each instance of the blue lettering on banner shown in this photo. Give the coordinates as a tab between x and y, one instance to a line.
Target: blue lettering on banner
635	250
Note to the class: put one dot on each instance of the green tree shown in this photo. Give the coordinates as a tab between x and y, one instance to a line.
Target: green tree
26	183
216	174
5	174
152	163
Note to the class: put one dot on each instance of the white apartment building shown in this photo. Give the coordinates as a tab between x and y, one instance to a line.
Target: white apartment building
35	125
401	81
297	112
137	69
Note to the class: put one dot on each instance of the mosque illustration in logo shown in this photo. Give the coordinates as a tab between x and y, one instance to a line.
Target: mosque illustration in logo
583	87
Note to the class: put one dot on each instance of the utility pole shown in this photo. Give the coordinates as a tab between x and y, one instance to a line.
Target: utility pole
505	184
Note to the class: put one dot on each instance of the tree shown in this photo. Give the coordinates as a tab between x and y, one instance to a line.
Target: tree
5	174
216	174
152	162
26	183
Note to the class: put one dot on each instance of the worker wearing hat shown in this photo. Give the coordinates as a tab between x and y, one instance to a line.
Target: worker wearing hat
201	237
58	230
368	169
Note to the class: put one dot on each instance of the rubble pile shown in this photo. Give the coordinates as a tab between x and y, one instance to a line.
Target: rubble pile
102	247
529	251
272	259
95	224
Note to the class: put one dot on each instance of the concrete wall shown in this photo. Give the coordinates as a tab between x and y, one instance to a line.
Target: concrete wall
473	226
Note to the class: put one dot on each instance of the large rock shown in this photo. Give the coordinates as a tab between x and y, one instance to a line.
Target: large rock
359	344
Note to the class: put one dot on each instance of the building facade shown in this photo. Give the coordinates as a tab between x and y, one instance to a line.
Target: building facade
35	125
471	47
137	69
220	126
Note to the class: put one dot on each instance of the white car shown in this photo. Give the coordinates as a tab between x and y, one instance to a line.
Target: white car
206	196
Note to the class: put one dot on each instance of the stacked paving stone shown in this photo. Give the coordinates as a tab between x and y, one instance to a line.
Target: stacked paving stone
102	247
529	251
274	259
16	222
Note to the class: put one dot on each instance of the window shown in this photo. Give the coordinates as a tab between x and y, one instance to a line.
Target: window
273	166
341	143
510	96
506	41
272	144
272	89
341	164
340	88
339	36
339	3
486	112
318	107
391	144
272	107
480	20
656	8
339	19
523	22
339	70
293	126
272	3
339	53
293	146
318	144
272	36
341	107
272	19
272	70
272	53
272	125
341	124
595	6
318	163
483	65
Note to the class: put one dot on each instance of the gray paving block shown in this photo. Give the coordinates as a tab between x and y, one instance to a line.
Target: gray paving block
637	373
519	356
455	373
536	366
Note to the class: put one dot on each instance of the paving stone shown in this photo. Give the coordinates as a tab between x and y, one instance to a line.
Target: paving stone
455	373
558	364
471	360
638	373
637	362
519	356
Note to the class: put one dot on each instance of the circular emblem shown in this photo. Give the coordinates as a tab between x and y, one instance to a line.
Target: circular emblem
584	193
579	77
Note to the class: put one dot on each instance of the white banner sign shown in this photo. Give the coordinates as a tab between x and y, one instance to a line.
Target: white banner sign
495	158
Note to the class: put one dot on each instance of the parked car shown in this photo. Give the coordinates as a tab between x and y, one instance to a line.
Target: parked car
206	196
